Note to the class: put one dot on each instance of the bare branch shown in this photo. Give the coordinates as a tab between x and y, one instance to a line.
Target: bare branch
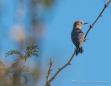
50	69
69	62
60	69
49	72
100	15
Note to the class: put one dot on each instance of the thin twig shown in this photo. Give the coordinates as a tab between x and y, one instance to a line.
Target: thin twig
69	62
48	73
60	69
100	15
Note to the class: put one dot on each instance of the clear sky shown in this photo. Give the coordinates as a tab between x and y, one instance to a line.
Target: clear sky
95	63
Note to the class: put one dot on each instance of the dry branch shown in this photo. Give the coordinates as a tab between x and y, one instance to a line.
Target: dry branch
49	72
60	69
100	15
69	62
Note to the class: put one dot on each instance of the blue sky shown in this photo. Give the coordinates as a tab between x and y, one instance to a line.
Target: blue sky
94	63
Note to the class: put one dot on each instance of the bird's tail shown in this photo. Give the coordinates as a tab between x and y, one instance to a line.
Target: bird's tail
79	50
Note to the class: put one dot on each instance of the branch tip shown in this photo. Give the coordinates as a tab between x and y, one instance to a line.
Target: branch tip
100	15
48	73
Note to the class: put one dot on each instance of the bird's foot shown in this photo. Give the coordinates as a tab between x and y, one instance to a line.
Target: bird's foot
85	39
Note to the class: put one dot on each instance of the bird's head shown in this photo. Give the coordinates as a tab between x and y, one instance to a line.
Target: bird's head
79	24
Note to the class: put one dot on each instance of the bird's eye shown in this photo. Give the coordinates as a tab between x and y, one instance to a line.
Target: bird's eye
81	23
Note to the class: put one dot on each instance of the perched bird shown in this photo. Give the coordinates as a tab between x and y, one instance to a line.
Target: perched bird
78	36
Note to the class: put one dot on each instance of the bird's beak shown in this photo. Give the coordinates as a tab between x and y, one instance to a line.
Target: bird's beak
85	23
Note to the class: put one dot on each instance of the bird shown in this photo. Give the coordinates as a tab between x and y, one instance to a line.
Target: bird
77	36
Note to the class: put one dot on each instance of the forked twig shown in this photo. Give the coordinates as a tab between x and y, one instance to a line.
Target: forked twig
69	62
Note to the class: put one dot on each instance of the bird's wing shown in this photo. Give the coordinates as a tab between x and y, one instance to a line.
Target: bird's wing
75	38
81	37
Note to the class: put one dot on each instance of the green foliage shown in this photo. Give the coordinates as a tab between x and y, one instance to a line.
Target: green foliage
31	50
26	79
18	67
11	52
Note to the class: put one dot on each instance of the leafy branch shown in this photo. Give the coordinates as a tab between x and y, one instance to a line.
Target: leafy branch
25	78
31	51
18	67
11	52
69	62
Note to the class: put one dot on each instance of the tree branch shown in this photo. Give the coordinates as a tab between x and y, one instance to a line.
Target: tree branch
100	15
60	69
69	62
48	73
